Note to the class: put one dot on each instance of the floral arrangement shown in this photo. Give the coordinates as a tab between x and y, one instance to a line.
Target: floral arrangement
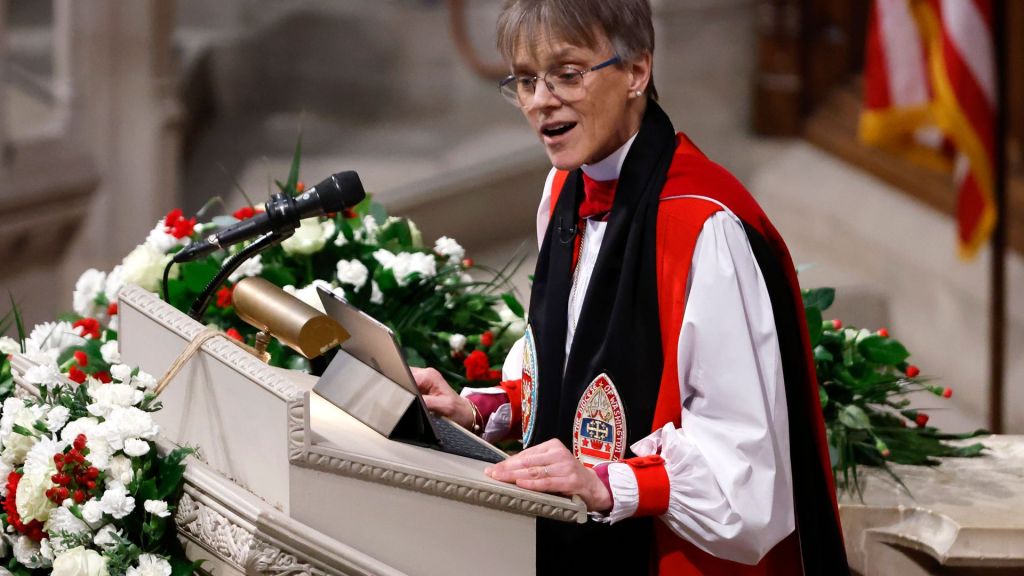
83	491
864	378
442	315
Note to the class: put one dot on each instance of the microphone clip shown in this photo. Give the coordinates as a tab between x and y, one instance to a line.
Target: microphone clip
566	235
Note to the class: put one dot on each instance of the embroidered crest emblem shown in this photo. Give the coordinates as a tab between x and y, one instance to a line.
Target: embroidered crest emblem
599	430
529	385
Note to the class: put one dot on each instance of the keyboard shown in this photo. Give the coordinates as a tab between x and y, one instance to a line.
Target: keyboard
455	440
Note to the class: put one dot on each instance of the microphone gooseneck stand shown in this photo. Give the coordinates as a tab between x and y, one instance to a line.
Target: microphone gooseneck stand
261	243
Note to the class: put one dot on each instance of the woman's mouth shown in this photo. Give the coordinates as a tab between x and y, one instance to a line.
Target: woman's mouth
555	130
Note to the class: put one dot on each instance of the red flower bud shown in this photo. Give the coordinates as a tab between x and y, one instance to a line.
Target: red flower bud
112	309
467	262
232	333
883	332
81	358
300	187
80	441
922	420
93	472
487	338
837	324
244	213
947	393
913	371
89	327
58	458
79	496
90	485
349	213
886	453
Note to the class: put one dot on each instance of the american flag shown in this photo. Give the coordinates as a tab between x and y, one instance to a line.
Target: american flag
930	94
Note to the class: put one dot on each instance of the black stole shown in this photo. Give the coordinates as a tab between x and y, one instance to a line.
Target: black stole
618	334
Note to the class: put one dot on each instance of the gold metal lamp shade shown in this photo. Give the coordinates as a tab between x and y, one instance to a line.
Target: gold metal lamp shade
295	323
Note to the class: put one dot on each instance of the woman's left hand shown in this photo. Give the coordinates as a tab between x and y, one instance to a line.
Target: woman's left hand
550	467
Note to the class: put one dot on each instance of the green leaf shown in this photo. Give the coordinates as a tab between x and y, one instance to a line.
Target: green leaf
198	274
882	350
822	396
293	172
397	231
513	304
814	328
386	279
820	298
821	354
853	416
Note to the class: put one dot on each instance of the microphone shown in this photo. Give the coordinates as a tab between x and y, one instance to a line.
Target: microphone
283	213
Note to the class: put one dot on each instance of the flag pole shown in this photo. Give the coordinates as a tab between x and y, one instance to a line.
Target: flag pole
997	332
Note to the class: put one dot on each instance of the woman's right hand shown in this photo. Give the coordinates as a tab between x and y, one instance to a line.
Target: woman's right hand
441	399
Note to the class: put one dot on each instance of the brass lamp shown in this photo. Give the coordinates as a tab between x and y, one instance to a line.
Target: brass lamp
276	313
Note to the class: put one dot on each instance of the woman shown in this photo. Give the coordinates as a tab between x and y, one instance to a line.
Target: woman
664	377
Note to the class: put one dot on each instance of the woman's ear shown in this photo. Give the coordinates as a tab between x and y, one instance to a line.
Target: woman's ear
639	70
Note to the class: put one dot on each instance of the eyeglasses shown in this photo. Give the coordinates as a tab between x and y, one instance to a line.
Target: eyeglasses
564	82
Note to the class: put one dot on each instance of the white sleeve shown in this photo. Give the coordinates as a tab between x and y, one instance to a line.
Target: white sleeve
730	483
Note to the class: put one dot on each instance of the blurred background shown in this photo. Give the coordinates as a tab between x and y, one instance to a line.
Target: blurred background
113	112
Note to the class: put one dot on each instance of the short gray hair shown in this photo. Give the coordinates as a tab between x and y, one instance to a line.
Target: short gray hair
625	23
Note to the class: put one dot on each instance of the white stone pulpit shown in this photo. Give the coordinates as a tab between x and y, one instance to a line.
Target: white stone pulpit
267	442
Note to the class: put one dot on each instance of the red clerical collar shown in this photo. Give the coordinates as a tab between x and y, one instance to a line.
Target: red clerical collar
599	195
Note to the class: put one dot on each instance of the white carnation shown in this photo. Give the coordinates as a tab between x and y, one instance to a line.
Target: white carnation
145	265
368	233
80	561
157	507
310	237
406	264
9	345
450	249
516	325
5	471
161	241
457	342
352	272
89	285
124	423
17	446
121	372
56	418
110	352
135	447
41	374
45	549
27	553
85	426
309	293
63	520
144	381
117	502
150	565
376	296
251	267
104	537
120	471
39	460
340	239
52	337
115	280
110	396
92	511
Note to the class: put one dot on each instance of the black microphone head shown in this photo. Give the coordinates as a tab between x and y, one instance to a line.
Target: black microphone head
340	191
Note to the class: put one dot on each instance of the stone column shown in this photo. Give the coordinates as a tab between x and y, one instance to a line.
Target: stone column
3	89
124	108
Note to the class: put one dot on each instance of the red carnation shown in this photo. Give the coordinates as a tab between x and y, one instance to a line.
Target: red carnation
76	375
349	214
90	327
224	297
244	213
33	529
947	393
487	338
81	358
837	324
913	371
478	367
232	333
883	332
921	419
177	225
112	309
103	377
